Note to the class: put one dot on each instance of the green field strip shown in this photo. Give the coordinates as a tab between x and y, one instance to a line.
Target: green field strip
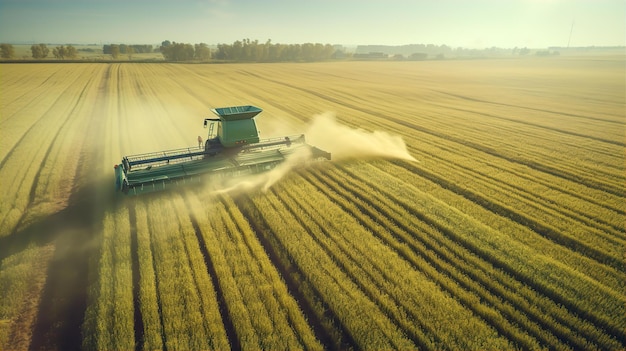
233	340
367	324
447	256
603	221
208	303
264	314
138	326
594	215
177	293
579	293
410	293
388	331
241	270
212	229
271	320
573	230
329	331
286	304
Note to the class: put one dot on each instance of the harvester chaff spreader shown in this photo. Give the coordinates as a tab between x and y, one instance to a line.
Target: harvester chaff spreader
232	148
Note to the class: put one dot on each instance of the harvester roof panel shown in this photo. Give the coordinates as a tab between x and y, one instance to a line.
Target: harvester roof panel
235	113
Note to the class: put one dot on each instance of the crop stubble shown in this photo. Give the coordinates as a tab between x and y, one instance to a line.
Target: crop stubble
508	233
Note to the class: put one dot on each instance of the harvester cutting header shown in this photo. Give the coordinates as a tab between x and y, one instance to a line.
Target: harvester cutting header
232	148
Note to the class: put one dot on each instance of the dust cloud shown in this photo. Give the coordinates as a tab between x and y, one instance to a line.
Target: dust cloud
266	180
344	142
326	133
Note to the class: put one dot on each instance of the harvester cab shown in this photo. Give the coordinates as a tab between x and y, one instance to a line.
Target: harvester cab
235	127
232	148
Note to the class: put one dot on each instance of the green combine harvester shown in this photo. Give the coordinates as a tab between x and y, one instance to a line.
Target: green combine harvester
232	149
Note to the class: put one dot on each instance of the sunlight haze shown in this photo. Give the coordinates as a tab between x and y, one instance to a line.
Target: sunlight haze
456	23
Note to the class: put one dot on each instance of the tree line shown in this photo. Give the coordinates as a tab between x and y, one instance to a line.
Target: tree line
122	49
173	51
247	50
41	51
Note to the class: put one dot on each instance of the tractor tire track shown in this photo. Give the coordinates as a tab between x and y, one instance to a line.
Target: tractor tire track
157	290
64	299
134	256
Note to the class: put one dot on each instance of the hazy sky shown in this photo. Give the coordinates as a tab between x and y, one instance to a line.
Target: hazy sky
466	23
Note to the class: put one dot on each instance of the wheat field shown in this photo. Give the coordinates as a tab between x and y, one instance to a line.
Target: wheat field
503	229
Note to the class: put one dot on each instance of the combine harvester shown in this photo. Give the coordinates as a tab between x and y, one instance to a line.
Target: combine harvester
232	149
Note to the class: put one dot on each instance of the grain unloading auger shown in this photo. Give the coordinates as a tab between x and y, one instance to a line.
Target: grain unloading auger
232	148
